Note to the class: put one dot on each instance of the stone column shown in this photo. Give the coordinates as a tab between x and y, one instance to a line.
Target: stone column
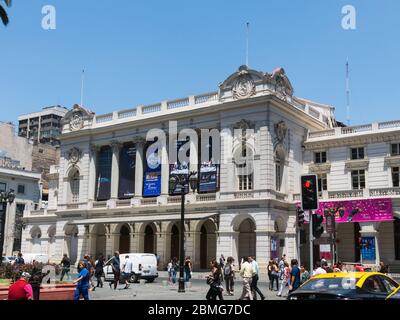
262	248
139	144
92	172
115	145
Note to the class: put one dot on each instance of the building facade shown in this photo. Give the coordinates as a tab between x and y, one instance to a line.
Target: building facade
43	126
249	142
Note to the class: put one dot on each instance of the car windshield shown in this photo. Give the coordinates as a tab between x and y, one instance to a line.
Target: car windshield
330	284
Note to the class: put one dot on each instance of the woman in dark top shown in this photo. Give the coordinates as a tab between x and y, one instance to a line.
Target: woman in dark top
188	269
214	280
99	271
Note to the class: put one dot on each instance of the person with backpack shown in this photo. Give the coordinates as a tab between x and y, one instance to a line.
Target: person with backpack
229	275
116	268
66	265
82	287
98	273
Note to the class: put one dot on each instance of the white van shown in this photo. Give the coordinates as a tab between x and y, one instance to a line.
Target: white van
144	266
39	257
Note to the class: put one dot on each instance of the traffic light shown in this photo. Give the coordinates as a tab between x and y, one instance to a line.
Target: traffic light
309	192
318	229
300	217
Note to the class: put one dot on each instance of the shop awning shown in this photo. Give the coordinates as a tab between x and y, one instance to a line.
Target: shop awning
143	218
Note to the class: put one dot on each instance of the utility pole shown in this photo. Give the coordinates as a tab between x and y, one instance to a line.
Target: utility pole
311	242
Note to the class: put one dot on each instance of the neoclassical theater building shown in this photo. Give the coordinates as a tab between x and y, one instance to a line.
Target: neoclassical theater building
110	193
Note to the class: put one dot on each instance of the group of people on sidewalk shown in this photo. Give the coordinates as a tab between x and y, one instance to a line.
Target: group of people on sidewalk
173	268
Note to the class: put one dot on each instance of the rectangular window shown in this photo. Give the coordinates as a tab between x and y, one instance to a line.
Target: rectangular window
320	157
357	153
245	182
278	176
322	182
395	177
395	149
358	179
19	223
21	189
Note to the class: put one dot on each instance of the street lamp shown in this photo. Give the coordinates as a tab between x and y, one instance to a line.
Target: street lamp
181	181
4	198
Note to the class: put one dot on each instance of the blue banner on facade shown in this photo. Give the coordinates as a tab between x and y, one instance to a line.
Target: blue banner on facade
208	178
104	173
152	176
368	249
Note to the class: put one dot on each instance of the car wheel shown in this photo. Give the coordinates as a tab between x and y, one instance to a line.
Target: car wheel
135	278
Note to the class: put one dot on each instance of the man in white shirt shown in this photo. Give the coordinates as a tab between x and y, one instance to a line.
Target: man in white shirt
247	272
319	269
127	270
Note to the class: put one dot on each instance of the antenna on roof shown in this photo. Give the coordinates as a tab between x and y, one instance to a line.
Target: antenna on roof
247	44
82	81
347	93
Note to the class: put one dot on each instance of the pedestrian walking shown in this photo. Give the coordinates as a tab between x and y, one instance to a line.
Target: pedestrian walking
19	260
214	280
169	269
127	271
116	269
383	268
275	276
21	289
222	264
98	271
304	274
175	268
229	276
295	279
82	287
188	269
284	280
318	269
66	267
254	287
247	273
269	272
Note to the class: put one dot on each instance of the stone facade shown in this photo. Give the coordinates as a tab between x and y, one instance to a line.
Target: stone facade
245	215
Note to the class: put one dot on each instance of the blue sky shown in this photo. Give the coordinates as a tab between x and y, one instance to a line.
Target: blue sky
141	52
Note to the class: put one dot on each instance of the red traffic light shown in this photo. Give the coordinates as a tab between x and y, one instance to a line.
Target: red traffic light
307	183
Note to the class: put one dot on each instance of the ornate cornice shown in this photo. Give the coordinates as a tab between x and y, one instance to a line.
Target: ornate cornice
357	164
320	167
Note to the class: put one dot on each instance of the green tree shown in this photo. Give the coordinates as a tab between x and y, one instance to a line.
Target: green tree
3	12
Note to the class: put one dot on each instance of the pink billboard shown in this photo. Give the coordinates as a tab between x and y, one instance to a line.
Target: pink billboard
358	210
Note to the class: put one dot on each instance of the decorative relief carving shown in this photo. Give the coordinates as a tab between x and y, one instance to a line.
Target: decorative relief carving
76	122
244	86
74	155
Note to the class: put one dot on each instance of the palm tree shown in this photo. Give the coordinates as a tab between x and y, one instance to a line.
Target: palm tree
3	13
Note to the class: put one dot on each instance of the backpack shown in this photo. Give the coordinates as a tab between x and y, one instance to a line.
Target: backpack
227	269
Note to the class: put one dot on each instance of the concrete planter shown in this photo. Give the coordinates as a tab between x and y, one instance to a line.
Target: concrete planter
48	292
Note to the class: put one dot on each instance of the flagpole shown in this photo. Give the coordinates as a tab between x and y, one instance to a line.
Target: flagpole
247	44
82	82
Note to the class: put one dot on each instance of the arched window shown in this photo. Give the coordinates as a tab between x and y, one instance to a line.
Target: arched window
74	185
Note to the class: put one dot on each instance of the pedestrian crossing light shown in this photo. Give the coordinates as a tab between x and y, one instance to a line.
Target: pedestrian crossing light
300	217
309	192
318	229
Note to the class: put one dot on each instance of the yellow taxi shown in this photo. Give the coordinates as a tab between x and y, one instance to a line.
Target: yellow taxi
346	286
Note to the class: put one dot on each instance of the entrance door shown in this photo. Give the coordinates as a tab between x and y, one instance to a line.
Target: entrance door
175	242
203	248
149	240
124	240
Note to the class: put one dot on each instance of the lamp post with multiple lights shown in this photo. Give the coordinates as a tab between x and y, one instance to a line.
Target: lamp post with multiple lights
180	181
